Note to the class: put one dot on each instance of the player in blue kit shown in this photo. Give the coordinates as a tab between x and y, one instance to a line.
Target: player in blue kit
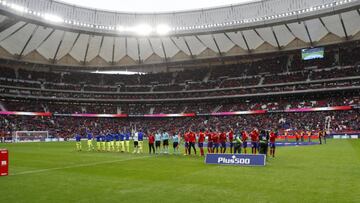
122	141
78	142
112	142
108	140
98	142
127	141
103	141
90	141
117	141
140	139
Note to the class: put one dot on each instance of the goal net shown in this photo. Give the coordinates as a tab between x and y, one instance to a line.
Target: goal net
30	136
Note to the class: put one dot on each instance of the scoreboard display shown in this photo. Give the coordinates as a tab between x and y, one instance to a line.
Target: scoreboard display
314	53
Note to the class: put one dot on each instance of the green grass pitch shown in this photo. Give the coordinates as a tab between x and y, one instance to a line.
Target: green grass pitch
55	172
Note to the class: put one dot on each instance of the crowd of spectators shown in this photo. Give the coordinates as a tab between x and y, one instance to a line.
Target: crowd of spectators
338	72
286	77
159	78
20	83
271	104
62	126
349	55
240	82
222	82
285	68
136	88
195	75
62	86
7	72
39	75
177	94
289	103
163	88
202	85
100	88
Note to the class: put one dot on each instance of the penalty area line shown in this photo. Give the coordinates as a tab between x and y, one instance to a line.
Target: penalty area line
76	166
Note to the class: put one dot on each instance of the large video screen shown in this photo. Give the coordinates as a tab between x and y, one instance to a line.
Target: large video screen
314	53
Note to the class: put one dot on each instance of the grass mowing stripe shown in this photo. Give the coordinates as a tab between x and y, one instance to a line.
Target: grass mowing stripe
77	166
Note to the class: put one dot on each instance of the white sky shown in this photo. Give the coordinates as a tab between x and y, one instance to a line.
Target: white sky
152	5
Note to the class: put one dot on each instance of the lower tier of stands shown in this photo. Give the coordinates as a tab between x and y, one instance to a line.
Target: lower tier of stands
61	126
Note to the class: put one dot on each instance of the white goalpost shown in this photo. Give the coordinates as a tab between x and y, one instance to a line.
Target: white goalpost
30	136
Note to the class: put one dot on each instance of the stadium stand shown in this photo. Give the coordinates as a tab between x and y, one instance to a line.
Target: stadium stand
342	121
265	83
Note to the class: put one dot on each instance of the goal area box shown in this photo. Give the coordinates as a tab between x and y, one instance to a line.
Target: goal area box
30	136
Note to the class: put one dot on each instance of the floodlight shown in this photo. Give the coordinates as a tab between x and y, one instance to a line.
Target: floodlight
162	29
142	29
53	18
120	28
18	8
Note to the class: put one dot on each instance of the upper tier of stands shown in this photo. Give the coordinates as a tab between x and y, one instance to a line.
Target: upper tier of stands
280	69
249	104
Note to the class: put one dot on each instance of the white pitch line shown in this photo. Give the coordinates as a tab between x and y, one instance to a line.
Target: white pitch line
75	166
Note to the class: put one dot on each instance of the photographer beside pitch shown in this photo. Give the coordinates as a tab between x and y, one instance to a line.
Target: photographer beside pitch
263	142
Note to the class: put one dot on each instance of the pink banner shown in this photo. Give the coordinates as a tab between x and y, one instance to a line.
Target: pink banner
334	108
100	115
170	115
238	113
22	113
282	137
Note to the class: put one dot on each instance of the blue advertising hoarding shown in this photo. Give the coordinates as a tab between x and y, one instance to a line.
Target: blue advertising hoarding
236	159
345	135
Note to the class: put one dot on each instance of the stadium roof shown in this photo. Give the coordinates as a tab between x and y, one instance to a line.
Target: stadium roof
52	32
153	6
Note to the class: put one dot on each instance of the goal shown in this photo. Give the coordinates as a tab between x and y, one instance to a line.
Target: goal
30	136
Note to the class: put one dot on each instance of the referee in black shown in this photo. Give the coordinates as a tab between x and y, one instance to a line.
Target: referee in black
320	136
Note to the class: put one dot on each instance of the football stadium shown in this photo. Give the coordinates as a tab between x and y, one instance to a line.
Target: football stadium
180	101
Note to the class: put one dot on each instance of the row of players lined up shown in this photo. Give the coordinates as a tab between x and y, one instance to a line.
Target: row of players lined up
216	142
